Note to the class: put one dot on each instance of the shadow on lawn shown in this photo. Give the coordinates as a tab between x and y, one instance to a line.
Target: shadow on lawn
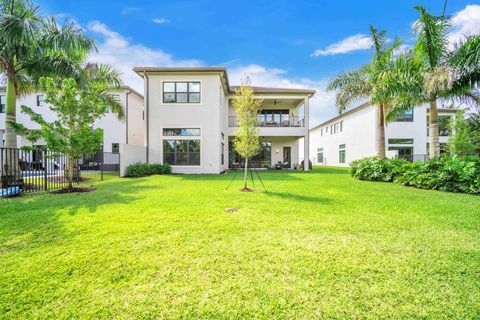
299	197
35	220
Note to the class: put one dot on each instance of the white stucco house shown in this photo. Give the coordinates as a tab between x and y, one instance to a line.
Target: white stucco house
351	136
190	122
115	131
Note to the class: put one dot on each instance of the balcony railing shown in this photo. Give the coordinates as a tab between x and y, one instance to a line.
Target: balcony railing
284	121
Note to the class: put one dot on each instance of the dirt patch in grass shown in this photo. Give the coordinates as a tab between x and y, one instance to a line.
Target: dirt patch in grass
73	190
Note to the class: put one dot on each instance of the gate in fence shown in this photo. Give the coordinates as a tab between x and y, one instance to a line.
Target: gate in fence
41	169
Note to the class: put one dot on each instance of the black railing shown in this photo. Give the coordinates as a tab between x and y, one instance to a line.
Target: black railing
285	121
424	157
41	170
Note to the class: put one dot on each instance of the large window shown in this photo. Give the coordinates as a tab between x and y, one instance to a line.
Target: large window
320	155
263	159
181	92
406	117
341	153
181	152
3	102
222	151
400	141
274	117
182	132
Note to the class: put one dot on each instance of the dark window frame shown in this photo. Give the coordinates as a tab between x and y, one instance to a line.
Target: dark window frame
40	103
3	106
115	147
403	141
342	153
180	132
176	92
177	154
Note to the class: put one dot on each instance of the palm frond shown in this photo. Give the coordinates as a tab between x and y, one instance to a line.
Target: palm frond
432	37
351	87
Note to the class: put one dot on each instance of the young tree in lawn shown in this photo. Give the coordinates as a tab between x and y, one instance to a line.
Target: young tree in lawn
246	140
31	46
73	132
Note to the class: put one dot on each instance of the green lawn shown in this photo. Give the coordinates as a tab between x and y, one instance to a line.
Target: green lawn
317	245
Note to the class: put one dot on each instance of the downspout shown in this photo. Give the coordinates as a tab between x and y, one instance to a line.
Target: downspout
146	113
126	115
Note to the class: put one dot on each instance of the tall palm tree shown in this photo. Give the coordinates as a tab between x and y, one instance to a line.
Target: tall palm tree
434	70
366	83
32	46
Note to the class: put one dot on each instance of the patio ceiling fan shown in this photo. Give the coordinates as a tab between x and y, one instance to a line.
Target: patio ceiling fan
275	102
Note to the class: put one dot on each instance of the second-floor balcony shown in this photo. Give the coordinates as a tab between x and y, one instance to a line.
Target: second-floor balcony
273	121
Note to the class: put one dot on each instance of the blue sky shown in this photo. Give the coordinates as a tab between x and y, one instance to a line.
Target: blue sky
276	43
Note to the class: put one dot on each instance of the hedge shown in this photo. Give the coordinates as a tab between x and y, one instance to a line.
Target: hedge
144	169
453	174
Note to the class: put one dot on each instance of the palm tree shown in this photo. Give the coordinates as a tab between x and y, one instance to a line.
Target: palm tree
32	46
434	70
366	83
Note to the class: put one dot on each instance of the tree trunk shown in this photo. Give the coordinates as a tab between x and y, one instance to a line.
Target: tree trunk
380	132
245	175
434	142
70	169
11	173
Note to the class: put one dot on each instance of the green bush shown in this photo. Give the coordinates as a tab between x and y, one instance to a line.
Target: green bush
144	169
453	174
374	169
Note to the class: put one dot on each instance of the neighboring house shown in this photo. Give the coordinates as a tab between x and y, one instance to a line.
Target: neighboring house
190	122
115	132
351	136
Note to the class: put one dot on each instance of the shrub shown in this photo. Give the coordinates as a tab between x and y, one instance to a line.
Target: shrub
374	169
144	169
453	174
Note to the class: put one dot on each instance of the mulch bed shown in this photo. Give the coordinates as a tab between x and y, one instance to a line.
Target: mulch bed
73	190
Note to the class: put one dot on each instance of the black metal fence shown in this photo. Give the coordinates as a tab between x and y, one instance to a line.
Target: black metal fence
40	170
423	157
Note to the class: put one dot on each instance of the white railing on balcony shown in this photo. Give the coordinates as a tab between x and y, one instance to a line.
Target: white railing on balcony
284	121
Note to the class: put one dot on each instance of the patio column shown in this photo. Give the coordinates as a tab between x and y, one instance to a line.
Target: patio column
306	138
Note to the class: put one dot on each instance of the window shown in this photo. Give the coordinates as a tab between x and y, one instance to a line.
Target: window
181	92
400	141
321	132
222	151
406	117
320	155
115	148
341	126
40	99
3	103
263	159
403	152
444	126
341	153
181	152
182	132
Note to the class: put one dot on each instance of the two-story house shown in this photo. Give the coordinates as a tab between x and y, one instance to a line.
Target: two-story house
190	122
115	131
351	135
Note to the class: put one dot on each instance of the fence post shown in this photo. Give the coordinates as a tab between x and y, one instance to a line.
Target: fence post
45	168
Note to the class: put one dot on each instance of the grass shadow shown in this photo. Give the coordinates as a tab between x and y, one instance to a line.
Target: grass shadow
299	197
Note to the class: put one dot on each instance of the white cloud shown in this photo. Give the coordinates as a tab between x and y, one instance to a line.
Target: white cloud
120	52
349	44
160	20
123	54
322	105
465	23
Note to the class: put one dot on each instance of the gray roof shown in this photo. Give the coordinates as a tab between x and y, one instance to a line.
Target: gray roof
277	90
223	71
346	113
